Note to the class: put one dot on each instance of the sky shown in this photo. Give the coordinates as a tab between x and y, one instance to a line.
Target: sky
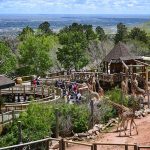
74	6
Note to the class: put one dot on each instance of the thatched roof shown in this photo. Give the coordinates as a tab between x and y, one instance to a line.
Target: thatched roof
120	50
6	82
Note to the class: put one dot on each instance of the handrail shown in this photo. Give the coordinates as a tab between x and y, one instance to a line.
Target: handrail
62	143
29	143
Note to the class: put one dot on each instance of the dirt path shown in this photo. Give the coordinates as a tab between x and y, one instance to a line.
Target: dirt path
143	138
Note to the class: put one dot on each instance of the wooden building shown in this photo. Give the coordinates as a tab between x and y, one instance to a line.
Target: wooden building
6	82
120	63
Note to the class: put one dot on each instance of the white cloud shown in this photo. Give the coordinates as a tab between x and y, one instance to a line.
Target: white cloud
74	6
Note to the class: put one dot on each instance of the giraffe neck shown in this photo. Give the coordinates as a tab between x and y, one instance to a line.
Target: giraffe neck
118	106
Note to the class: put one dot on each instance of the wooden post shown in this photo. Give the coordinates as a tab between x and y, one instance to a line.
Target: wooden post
47	145
122	97
13	115
12	90
126	80
19	132
34	91
2	118
24	89
135	147
18	97
61	144
126	147
57	123
92	112
94	147
147	87
42	91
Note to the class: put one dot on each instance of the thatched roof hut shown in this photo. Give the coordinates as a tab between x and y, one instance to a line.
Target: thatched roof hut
119	50
113	61
5	82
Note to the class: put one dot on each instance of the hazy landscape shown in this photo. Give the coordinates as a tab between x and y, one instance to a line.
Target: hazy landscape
13	24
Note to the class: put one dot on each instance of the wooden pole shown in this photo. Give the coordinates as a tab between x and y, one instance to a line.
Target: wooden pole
47	145
126	147
48	92
147	87
57	123
34	91
126	79
94	147
19	132
135	147
13	115
2	118
92	113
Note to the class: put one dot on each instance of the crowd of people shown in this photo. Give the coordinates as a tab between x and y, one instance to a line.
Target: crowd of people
71	92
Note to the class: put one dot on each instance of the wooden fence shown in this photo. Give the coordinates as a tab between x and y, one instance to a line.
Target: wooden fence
63	144
9	116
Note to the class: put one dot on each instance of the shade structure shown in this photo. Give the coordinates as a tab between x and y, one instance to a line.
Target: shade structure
120	50
6	82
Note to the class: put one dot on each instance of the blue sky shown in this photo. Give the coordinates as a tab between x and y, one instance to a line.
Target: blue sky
74	6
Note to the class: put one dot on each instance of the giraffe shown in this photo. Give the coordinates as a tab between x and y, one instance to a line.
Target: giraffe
94	95
124	87
120	110
95	87
98	88
129	115
135	89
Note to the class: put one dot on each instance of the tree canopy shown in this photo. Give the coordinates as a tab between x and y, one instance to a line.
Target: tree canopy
100	33
35	54
138	34
121	34
73	55
25	33
7	59
45	28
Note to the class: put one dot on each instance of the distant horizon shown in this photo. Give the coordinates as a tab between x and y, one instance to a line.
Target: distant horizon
65	14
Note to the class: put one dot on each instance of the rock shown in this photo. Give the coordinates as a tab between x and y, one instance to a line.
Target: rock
148	110
92	137
96	128
143	114
83	134
104	127
97	133
90	131
99	126
75	135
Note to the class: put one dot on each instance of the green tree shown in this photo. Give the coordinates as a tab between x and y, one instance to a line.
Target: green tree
73	53
101	33
138	34
45	28
7	59
89	32
25	33
121	34
35	54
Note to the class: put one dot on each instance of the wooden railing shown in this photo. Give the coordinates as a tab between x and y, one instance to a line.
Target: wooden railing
45	142
9	116
63	144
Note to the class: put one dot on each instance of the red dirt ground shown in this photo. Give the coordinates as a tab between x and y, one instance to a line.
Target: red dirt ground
143	138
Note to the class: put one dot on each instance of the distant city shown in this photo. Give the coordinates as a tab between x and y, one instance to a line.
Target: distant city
11	25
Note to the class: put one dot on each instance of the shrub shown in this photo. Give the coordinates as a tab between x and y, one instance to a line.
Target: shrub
115	96
39	122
